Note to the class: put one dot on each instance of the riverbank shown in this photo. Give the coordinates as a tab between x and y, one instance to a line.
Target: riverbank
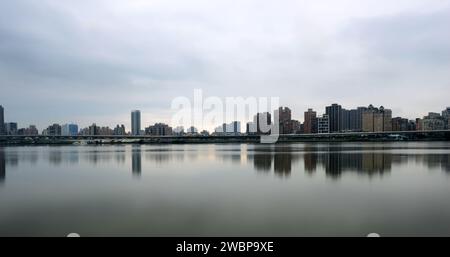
254	139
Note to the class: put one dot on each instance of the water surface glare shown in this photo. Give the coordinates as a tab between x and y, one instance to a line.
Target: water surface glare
341	189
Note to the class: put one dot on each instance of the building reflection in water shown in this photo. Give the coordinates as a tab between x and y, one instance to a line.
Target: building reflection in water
310	159
335	163
333	160
262	161
435	161
136	161
159	156
2	166
283	164
120	156
281	157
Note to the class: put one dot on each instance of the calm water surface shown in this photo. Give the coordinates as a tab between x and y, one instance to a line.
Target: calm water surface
350	189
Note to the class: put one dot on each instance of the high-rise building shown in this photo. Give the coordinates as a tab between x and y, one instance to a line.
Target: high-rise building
93	130
53	130
310	124
11	128
135	123
345	120
323	124
284	115
400	124
419	124
377	119
446	115
334	113
159	129
356	119
69	130
2	120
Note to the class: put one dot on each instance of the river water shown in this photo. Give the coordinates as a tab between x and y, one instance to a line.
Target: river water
341	189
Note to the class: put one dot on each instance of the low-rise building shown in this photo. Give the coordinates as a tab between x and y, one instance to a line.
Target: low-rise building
159	129
231	129
251	128
178	131
433	121
204	133
105	131
192	131
120	130
30	131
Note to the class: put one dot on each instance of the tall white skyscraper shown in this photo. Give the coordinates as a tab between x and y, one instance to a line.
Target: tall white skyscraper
135	123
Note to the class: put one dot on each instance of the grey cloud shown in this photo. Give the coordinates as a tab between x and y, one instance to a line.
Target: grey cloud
63	60
421	38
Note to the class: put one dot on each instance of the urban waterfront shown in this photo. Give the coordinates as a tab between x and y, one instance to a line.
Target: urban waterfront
298	189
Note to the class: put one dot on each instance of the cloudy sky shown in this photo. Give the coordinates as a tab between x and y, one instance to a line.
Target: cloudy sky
95	60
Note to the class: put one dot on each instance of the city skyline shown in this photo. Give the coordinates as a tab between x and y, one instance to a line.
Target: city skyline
95	61
338	118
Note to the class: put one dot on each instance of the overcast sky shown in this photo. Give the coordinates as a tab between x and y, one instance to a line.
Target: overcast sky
90	61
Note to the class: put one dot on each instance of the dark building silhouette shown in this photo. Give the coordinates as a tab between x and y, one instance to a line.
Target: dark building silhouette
342	120
310	124
136	123
334	113
2	120
356	119
287	125
136	161
345	120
